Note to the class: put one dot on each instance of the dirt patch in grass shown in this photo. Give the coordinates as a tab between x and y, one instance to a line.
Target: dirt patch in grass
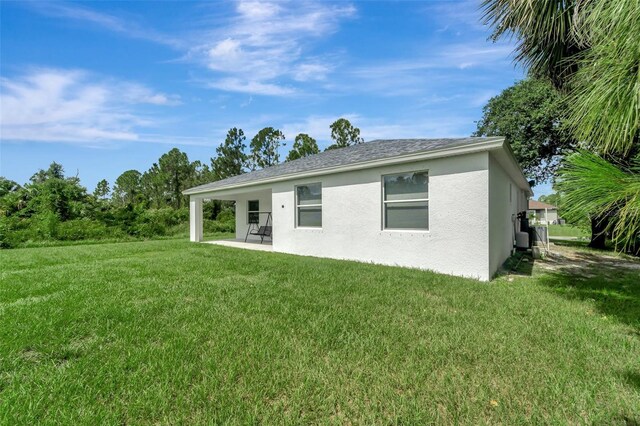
586	263
608	282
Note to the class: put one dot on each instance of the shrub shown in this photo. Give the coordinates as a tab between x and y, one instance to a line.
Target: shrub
8	236
212	226
15	230
154	222
226	215
45	225
84	229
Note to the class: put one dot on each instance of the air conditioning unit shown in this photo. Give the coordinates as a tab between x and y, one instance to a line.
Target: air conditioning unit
522	240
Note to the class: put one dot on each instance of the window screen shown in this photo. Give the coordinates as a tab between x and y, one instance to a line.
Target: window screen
406	201
309	205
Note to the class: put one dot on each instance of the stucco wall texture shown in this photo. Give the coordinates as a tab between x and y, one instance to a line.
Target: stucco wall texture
472	206
457	241
505	201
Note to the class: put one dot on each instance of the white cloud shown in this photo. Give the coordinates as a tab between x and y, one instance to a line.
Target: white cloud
451	56
251	87
441	125
54	105
432	127
475	54
139	94
66	10
457	14
266	43
441	71
258	10
317	126
272	49
267	48
480	99
247	102
311	71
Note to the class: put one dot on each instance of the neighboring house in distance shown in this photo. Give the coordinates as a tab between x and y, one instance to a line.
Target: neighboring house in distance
542	213
447	205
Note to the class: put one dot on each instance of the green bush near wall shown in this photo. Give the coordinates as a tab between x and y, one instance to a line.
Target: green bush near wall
125	224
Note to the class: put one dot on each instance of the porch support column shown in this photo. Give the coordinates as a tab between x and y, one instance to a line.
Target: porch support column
195	219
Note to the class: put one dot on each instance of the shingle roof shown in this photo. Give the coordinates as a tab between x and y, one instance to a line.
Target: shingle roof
361	153
539	205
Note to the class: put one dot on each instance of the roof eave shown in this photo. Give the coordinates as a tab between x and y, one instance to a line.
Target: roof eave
439	153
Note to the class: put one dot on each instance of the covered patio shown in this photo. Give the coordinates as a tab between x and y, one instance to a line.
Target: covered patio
254	221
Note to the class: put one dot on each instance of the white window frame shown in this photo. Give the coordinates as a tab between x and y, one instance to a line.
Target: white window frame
297	205
253	211
416	200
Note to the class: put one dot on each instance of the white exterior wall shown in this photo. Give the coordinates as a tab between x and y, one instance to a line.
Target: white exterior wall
457	241
544	217
523	201
552	215
195	219
242	218
506	199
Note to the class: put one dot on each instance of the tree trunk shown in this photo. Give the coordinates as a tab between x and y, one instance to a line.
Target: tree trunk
598	234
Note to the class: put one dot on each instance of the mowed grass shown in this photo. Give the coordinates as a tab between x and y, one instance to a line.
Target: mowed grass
567	231
170	332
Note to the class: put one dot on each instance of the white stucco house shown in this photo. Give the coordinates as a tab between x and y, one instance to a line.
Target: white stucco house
542	213
447	205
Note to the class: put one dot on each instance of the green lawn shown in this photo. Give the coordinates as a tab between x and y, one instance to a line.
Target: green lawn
169	332
567	231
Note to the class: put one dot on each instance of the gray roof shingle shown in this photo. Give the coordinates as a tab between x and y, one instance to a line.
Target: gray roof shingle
361	153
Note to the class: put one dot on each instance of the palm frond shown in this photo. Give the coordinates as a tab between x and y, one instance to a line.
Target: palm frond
604	100
595	187
544	32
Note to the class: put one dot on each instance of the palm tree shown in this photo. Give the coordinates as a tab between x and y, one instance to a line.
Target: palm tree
546	41
590	184
604	97
589	50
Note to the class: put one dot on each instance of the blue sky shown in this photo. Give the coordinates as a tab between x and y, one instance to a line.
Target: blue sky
103	87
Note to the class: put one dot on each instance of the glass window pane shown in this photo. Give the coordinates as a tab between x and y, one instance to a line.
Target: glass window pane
253	207
310	216
407	215
309	194
254	217
407	186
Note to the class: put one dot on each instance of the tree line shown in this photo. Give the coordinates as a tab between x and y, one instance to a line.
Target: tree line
54	207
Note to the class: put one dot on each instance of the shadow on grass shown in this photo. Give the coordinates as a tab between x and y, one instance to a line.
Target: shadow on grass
520	263
627	421
633	378
580	244
615	293
570	243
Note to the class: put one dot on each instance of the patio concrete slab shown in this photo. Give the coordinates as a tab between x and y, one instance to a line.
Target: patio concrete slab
249	245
